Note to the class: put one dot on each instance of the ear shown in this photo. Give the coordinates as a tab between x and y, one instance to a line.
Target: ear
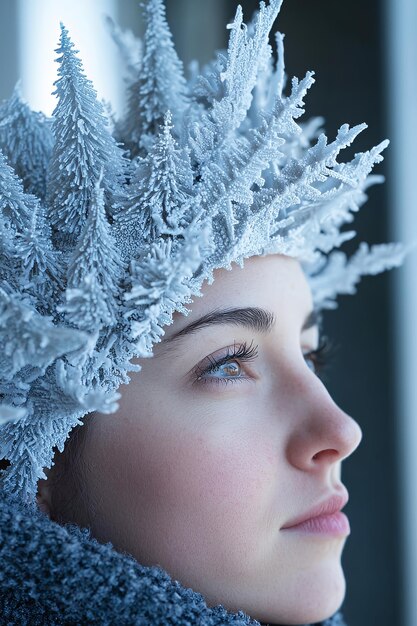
43	497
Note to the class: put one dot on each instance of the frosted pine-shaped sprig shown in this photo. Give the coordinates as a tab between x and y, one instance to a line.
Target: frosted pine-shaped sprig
95	271
43	396
340	274
171	181
158	197
160	84
83	147
30	264
230	182
26	139
257	184
29	342
15	205
162	283
27	444
238	72
8	278
37	341
41	273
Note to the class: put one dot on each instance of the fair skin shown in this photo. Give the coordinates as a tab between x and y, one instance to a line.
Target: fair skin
199	476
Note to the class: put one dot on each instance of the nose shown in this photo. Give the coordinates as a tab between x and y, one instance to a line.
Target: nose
322	433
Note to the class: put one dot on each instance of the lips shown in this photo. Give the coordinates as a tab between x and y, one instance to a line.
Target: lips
335	503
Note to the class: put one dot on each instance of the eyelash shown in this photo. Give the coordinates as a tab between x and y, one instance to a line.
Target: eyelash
244	353
321	356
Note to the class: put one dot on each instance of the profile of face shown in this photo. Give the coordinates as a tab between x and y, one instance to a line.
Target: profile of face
226	435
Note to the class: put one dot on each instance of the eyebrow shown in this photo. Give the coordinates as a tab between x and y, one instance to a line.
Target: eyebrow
252	318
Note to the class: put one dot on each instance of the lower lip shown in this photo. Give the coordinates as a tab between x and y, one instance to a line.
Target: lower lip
334	525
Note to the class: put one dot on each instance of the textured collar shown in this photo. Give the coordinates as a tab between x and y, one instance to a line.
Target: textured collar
53	574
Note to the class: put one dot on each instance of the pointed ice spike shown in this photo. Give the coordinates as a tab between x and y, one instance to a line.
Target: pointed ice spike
29	340
15	205
245	54
95	270
160	285
231	179
280	71
29	444
340	275
42	272
259	188
160	84
269	85
83	145
159	195
26	139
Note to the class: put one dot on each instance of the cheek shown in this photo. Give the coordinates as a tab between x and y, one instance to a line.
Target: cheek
219	499
217	469
202	488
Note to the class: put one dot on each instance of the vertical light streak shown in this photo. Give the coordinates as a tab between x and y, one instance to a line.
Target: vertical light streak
401	85
39	32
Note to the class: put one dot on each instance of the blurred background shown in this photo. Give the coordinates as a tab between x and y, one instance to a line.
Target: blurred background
364	55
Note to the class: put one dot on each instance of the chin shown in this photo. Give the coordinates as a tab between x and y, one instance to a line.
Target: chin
311	599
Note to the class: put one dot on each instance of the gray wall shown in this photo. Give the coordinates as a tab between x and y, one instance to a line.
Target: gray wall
8	41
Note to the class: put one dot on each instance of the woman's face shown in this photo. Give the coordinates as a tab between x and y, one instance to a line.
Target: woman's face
203	465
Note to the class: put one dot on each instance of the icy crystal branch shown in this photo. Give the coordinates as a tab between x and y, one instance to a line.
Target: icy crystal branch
104	236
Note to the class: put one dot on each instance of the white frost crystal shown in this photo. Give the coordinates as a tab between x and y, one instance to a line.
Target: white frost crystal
101	241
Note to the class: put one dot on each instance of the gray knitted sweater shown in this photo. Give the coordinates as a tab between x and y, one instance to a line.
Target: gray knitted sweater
52	574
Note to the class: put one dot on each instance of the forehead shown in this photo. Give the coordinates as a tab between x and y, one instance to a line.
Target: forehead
274	282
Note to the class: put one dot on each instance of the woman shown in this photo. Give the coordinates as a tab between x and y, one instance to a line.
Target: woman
211	456
218	467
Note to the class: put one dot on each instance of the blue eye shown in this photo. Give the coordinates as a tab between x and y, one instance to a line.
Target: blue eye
226	368
231	369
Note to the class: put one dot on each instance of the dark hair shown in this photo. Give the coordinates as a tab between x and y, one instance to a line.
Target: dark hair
66	480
